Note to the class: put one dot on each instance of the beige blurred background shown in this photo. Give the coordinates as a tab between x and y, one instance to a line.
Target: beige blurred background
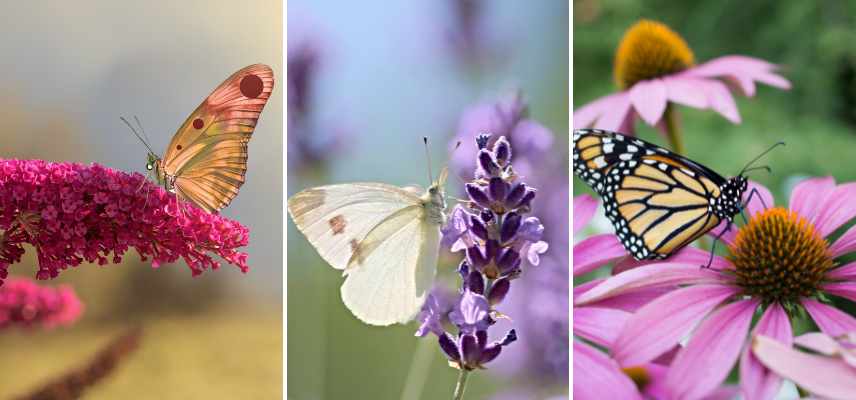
70	70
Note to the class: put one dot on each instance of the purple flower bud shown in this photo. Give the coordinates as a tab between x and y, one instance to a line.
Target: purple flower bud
447	343
509	338
526	201
478	195
464	269
478	228
498	291
490	353
487	164
507	260
497	188
475	283
510	227
471	351
487	216
491	249
502	150
515	195
482	140
475	258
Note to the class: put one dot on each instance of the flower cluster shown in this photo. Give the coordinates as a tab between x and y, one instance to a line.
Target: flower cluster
496	238
25	303
73	213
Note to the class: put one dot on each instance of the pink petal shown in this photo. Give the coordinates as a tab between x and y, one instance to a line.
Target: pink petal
831	321
720	100
758	383
686	91
724	392
715	345
585	116
730	65
838	209
808	195
687	255
626	127
650	276
660	325
844	272
584	208
599	325
843	289
823	376
632	301
756	204
649	100
844	244
597	377
595	252
773	80
818	342
727	237
584	287
614	115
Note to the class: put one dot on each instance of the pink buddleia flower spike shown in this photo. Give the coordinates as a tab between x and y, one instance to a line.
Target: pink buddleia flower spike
73	213
23	302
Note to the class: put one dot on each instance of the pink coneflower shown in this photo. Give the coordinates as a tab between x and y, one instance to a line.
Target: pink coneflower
26	303
654	69
73	213
779	263
830	373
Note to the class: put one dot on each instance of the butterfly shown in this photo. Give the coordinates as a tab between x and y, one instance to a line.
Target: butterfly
206	161
657	201
385	238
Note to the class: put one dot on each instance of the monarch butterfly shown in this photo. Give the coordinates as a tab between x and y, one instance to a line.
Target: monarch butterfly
206	161
657	201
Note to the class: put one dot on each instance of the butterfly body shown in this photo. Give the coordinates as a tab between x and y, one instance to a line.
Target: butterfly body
206	160
385	239
657	201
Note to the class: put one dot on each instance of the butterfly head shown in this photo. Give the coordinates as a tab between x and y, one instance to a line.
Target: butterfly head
434	200
730	200
153	163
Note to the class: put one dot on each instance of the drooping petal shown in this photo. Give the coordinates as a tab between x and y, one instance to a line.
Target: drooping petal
844	244
808	196
585	116
830	320
686	91
595	252
599	325
756	382
632	301
818	342
715	345
661	324
838	208
824	376
844	272
584	208
843	289
720	100
649	100
597	377
650	276
614	116
687	255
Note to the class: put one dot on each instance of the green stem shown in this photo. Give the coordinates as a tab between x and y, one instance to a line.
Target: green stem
462	384
419	369
673	130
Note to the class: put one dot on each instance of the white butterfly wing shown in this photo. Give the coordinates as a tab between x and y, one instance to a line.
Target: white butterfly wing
393	268
336	218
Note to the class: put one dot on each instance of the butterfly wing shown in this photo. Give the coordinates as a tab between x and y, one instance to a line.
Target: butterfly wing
336	218
393	268
656	200
208	155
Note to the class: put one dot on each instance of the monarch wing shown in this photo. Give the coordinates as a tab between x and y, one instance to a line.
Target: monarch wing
208	154
393	269
336	218
657	201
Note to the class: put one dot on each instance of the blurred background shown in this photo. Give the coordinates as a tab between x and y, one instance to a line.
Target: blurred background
366	81
811	41
72	70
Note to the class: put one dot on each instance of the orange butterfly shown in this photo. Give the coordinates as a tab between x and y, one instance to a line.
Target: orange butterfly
206	161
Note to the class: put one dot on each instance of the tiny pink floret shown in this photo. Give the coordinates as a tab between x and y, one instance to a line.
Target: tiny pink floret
25	303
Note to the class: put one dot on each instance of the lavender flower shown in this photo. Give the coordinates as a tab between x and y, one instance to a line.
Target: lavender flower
497	239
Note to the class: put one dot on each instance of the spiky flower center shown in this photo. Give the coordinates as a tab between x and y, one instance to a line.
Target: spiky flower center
638	375
779	257
650	50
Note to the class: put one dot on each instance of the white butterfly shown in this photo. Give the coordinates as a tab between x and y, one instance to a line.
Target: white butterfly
385	238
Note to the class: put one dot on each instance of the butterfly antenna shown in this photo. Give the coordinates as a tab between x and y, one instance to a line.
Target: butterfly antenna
143	130
428	157
761	155
137	134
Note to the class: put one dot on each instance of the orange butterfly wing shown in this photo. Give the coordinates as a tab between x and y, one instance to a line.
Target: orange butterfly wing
208	155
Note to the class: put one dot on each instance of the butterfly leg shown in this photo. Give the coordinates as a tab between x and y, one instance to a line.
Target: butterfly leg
752	194
713	247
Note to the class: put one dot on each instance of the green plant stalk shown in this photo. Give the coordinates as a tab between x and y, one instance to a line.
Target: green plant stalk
673	130
462	384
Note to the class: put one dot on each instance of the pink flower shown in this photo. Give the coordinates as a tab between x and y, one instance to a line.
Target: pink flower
25	303
831	373
73	213
779	261
654	67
